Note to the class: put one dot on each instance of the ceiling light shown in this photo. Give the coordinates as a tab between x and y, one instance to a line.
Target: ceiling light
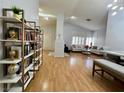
109	6
121	8
73	17
114	7
115	1
114	13
46	18
46	15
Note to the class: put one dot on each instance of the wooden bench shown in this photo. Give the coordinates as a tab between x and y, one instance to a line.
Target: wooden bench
113	69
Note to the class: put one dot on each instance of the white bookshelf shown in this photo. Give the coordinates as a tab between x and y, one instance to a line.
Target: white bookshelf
16	88
14	83
29	41
39	49
29	80
37	67
7	61
29	68
15	61
40	63
15	41
11	19
39	57
14	19
30	54
36	59
7	79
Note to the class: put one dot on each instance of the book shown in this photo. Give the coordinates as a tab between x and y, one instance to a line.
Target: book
20	35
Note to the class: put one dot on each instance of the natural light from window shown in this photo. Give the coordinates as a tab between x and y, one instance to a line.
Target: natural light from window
77	40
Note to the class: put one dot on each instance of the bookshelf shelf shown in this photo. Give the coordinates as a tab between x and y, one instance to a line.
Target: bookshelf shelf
36	59
15	20
29	80
30	54
29	68
16	41
15	88
39	49
38	66
7	61
30	42
7	79
10	19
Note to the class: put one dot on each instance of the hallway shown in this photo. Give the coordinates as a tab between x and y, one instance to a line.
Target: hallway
70	74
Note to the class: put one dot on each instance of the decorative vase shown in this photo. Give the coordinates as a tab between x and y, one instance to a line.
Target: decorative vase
12	54
12	34
12	69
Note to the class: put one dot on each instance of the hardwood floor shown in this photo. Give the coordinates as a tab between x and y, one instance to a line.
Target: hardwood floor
71	74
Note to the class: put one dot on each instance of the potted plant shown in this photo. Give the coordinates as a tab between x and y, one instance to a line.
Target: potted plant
16	12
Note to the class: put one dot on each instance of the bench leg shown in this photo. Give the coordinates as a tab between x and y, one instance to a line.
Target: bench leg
93	71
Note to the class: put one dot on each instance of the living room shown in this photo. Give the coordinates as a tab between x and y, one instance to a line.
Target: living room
61	46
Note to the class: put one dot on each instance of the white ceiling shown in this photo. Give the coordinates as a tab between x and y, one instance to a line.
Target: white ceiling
83	9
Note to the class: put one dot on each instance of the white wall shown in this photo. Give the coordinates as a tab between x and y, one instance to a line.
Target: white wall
31	13
99	37
71	30
30	6
49	37
49	33
115	31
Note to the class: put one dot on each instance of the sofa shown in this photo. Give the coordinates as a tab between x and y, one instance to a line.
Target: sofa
97	51
77	48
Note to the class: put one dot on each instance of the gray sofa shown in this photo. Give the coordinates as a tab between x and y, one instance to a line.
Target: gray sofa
96	52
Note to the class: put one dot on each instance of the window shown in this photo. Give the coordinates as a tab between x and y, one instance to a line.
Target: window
82	41
89	40
77	40
73	40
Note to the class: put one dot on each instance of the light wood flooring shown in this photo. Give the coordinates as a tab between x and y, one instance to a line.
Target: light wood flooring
71	74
